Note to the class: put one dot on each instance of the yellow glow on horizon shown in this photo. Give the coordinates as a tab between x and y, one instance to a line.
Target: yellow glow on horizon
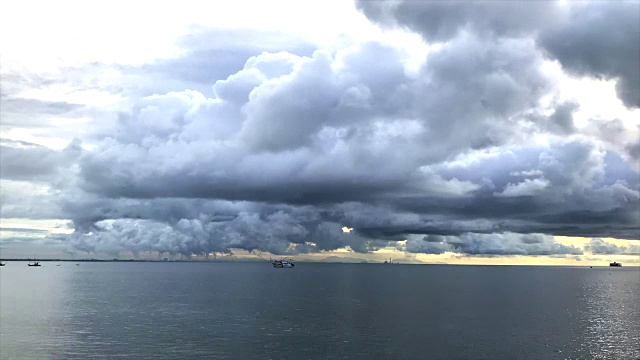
348	256
379	256
48	224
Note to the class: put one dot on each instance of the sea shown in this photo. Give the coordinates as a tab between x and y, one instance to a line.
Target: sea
234	310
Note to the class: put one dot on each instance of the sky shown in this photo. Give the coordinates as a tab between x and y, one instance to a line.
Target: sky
427	132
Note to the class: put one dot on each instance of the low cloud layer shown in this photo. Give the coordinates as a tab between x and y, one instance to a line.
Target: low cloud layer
598	246
491	244
474	153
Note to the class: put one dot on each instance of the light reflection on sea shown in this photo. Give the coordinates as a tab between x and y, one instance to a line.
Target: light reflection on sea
612	314
317	311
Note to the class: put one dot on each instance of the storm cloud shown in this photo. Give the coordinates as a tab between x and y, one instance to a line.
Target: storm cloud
600	39
276	148
597	39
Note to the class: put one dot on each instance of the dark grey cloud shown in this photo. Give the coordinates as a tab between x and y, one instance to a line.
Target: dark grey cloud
278	230
597	39
611	197
574	184
444	20
600	39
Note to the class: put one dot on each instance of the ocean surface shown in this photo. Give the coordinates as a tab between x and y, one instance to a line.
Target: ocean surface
317	311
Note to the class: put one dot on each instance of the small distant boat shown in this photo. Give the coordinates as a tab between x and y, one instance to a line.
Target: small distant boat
389	262
3	264
35	263
616	264
282	263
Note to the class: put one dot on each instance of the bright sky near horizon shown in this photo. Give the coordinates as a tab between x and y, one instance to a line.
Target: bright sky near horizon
479	132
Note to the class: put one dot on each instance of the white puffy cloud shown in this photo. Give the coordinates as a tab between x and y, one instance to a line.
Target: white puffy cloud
528	187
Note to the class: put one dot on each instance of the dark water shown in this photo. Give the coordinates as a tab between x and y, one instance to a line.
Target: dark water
317	311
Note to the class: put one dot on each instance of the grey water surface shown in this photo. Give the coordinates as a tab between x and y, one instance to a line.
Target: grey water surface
317	311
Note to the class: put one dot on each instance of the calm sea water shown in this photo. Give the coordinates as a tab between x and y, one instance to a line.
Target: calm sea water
317	311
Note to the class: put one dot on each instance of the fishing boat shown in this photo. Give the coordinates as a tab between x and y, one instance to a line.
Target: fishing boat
3	264
35	263
284	263
616	264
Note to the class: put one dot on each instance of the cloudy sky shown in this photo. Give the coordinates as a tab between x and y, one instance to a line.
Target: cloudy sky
463	132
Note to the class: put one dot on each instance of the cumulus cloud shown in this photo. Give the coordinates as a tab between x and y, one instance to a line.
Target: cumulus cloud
311	145
282	232
209	55
357	144
528	187
277	147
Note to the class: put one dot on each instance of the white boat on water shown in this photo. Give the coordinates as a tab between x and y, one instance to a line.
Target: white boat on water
282	263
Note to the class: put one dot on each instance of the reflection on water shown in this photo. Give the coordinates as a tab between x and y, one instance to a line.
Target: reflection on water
317	311
612	314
